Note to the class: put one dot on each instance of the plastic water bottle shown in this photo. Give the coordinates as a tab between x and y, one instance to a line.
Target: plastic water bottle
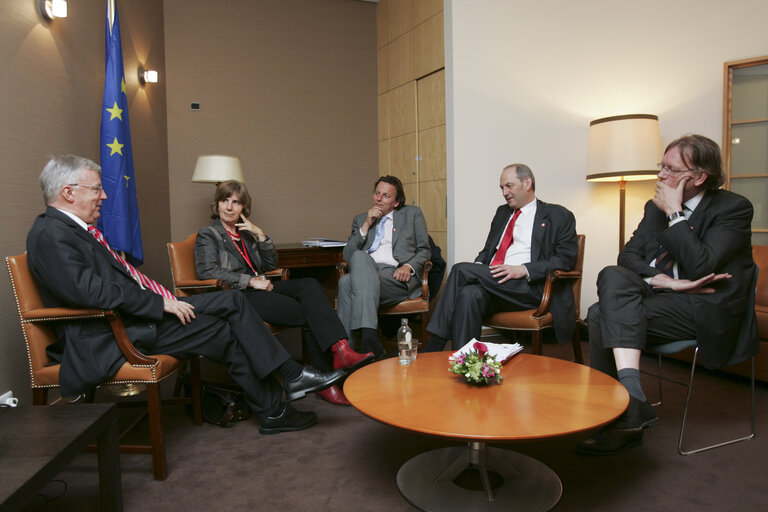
405	343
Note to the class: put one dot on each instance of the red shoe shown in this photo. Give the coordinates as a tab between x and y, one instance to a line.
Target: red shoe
345	357
333	395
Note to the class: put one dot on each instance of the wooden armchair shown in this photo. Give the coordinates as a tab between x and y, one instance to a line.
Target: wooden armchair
419	305
141	369
536	320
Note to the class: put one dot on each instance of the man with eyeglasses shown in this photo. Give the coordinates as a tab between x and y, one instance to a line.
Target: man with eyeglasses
75	267
684	274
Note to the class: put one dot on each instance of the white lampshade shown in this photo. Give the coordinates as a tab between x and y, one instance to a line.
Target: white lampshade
217	168
624	148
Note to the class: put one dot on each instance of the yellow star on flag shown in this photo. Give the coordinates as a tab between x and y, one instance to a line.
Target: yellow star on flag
116	112
116	147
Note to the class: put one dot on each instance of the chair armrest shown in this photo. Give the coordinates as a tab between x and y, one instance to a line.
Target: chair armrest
425	280
198	285
279	273
130	352
546	296
342	268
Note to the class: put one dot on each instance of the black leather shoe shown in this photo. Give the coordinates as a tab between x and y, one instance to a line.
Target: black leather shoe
610	442
639	415
289	420
310	381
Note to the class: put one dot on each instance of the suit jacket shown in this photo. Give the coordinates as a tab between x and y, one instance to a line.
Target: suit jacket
554	246
73	269
410	240
716	238
217	257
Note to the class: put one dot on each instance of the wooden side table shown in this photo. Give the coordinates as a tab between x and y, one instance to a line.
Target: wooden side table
38	442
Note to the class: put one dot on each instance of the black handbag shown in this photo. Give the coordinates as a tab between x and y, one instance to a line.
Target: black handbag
223	404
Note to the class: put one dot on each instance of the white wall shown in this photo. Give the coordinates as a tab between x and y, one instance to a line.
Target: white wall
523	80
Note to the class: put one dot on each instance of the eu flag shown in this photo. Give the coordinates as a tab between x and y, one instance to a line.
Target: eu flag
119	219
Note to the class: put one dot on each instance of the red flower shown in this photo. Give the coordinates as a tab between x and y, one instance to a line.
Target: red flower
481	349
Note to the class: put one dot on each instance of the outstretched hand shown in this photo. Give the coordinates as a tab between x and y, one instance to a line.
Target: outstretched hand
686	285
184	311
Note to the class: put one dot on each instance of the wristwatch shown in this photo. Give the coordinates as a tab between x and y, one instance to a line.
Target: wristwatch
675	215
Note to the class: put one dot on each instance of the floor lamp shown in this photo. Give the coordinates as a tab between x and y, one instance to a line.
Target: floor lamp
621	149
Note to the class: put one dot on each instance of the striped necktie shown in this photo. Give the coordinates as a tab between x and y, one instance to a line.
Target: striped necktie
140	278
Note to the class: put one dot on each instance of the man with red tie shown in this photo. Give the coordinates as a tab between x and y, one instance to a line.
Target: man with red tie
75	267
528	239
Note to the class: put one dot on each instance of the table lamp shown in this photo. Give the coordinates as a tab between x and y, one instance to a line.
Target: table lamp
621	149
217	168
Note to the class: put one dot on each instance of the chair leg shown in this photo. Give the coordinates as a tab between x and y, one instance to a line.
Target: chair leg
685	413
576	341
536	339
195	382
154	408
39	396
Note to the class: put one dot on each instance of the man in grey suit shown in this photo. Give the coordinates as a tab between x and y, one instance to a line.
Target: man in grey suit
386	252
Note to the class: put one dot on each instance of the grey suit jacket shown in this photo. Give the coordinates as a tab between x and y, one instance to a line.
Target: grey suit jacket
217	257
410	240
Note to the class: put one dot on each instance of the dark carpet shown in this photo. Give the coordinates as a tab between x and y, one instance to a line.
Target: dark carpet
349	462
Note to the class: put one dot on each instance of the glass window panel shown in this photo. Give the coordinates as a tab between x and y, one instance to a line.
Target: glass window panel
759	238
756	190
750	93
749	148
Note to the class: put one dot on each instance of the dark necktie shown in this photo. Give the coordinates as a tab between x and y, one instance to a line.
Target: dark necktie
138	276
665	262
506	241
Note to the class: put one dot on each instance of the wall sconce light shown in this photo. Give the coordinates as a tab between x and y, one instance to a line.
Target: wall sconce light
217	168
147	76
52	9
621	149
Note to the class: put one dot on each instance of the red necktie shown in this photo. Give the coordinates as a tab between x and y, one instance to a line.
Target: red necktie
138	276
506	241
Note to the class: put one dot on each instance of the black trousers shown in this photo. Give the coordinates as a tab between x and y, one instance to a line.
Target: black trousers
226	329
472	293
302	303
630	314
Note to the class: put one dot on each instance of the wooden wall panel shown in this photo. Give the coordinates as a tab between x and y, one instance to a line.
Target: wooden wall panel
383	105
431	100
384	161
432	199
402	110
432	153
402	154
411	193
402	60
425	9
429	54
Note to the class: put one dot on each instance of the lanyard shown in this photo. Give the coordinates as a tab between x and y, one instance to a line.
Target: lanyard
243	252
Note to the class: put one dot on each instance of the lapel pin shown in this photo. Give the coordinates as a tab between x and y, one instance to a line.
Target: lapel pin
543	224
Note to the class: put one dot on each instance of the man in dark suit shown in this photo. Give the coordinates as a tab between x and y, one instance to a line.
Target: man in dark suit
685	273
528	239
386	252
74	267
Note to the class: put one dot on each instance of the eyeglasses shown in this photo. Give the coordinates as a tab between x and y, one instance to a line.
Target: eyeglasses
673	172
95	188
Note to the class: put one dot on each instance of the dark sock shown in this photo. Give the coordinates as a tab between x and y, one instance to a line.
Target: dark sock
370	342
436	343
290	370
630	379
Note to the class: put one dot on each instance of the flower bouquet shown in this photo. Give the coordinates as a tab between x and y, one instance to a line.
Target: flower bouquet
478	367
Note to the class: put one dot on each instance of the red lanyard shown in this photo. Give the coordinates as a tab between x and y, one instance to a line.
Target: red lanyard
243	252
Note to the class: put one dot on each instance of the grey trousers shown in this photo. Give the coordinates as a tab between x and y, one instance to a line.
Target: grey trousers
367	286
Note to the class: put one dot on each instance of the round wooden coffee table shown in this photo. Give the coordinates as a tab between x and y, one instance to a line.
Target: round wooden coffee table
539	397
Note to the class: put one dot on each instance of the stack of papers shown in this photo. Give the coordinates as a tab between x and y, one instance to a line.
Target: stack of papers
322	242
502	351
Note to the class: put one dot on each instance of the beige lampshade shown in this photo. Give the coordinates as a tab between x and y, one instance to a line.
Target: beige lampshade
624	148
217	168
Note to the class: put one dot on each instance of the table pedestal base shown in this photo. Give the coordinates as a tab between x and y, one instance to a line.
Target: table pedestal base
436	481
